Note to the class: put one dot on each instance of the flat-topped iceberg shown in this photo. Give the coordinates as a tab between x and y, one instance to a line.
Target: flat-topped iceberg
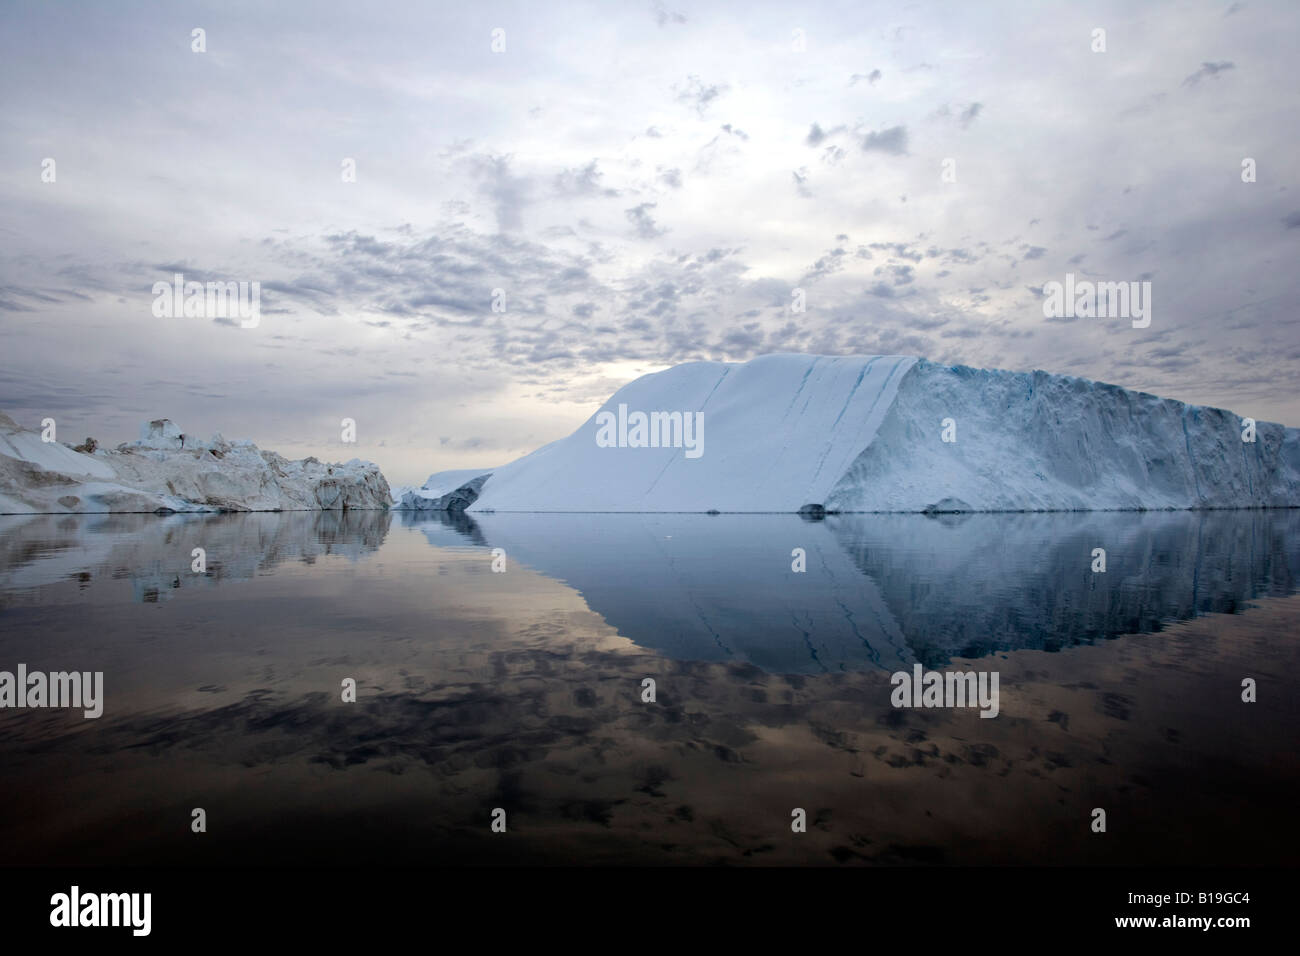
167	470
785	433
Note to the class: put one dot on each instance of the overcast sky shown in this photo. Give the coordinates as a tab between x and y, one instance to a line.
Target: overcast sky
647	182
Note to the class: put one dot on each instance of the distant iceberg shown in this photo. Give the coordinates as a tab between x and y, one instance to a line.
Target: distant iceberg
443	491
789	433
169	471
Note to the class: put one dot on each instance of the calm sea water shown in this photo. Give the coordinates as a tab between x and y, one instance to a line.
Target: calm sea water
522	690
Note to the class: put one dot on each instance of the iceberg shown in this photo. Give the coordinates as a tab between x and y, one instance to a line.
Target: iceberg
451	490
168	471
890	433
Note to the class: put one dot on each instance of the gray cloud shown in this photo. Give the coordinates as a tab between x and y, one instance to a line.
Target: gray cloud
699	95
816	135
800	177
582	182
507	193
643	222
663	16
1208	69
892	140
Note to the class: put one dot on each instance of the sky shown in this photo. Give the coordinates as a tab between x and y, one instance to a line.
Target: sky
636	185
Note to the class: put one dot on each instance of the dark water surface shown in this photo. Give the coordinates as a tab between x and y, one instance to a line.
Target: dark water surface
522	690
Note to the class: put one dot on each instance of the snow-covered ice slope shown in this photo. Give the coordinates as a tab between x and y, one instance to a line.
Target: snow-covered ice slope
28	446
778	433
865	434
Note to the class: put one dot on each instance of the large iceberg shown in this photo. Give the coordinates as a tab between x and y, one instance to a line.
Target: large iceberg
785	433
169	471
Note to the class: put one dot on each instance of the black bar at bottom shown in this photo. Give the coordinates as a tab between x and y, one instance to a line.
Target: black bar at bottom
929	905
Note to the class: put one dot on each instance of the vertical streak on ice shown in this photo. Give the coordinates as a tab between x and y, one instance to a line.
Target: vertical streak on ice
802	382
870	411
861	375
830	435
672	457
1191	461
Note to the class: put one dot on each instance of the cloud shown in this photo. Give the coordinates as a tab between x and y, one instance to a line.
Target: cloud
663	16
965	116
1209	69
903	274
816	135
582	182
507	193
800	177
699	95
641	219
900	249
892	140
828	264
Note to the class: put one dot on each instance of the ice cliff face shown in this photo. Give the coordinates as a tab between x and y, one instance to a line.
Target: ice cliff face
785	432
443	491
1030	441
168	471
